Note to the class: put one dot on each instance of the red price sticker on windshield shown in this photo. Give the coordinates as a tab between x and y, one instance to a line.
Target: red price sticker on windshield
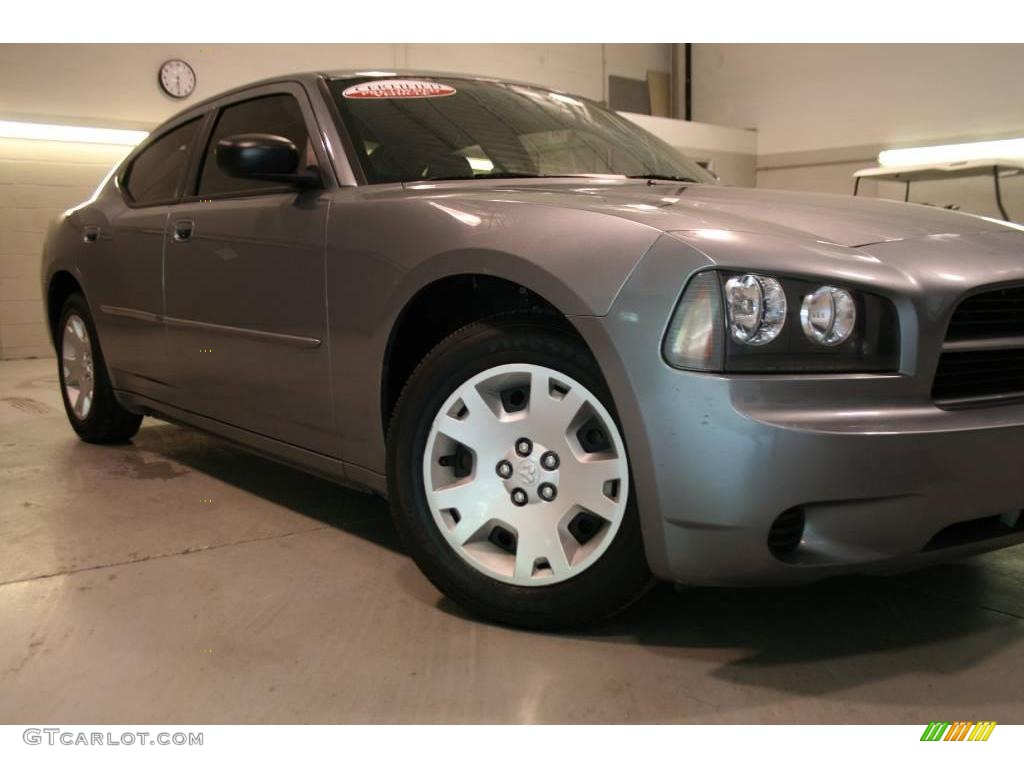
398	89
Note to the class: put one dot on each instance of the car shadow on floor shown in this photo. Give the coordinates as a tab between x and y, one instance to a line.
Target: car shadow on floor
837	634
832	635
361	514
808	640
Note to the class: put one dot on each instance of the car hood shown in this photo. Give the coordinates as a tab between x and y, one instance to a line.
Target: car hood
670	206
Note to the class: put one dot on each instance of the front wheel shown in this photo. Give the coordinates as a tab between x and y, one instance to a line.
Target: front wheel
509	478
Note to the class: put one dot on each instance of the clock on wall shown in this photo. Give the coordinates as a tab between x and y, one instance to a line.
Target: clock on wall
177	78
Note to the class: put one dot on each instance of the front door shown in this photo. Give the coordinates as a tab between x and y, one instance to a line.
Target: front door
246	315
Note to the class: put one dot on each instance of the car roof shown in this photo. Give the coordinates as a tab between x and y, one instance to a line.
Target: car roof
404	73
311	78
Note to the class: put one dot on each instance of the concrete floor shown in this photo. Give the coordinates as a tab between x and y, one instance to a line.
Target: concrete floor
179	580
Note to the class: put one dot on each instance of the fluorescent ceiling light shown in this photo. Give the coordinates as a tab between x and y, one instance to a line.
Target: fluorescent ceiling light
73	133
952	153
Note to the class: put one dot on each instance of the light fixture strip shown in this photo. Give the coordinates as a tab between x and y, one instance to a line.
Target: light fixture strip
952	153
70	133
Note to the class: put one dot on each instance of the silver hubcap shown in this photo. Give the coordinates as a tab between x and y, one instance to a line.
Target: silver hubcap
76	360
526	474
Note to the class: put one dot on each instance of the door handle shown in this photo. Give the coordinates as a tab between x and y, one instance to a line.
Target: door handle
183	230
90	234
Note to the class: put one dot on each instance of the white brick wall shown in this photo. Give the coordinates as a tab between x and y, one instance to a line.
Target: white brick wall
38	180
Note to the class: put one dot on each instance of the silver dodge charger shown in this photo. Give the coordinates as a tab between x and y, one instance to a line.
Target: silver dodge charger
571	361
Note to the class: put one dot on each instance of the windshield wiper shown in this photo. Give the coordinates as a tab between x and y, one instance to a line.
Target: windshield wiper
510	175
663	177
498	175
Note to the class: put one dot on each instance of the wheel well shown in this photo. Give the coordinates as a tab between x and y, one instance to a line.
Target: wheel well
440	309
62	285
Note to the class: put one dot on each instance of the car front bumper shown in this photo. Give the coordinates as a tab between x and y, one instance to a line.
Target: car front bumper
876	494
882	478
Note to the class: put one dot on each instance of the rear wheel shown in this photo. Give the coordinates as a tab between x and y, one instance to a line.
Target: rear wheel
89	399
509	478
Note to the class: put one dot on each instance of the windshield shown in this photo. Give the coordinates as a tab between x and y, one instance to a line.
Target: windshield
449	128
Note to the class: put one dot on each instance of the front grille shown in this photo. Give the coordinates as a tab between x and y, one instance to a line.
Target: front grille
963	377
989	315
982	360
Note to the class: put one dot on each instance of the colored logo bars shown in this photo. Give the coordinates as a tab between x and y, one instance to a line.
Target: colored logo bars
959	731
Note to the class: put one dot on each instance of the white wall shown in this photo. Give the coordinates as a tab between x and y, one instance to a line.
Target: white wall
116	86
804	97
732	151
823	111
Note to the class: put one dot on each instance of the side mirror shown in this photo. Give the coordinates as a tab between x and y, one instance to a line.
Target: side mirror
265	157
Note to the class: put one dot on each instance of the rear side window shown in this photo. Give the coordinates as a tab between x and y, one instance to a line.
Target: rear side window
279	115
156	174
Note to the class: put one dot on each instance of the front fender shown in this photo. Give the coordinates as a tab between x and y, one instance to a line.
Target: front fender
383	250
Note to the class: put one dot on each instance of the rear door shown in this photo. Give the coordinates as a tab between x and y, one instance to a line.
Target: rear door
246	314
122	259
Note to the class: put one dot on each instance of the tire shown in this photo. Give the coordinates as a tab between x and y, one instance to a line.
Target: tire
103	420
609	578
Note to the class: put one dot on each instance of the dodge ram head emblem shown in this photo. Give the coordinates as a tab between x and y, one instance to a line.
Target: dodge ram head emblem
528	472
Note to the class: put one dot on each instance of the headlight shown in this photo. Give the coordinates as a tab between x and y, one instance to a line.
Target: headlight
737	323
756	307
828	315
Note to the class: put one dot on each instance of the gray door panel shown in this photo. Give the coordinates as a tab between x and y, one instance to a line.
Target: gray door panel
123	269
246	315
